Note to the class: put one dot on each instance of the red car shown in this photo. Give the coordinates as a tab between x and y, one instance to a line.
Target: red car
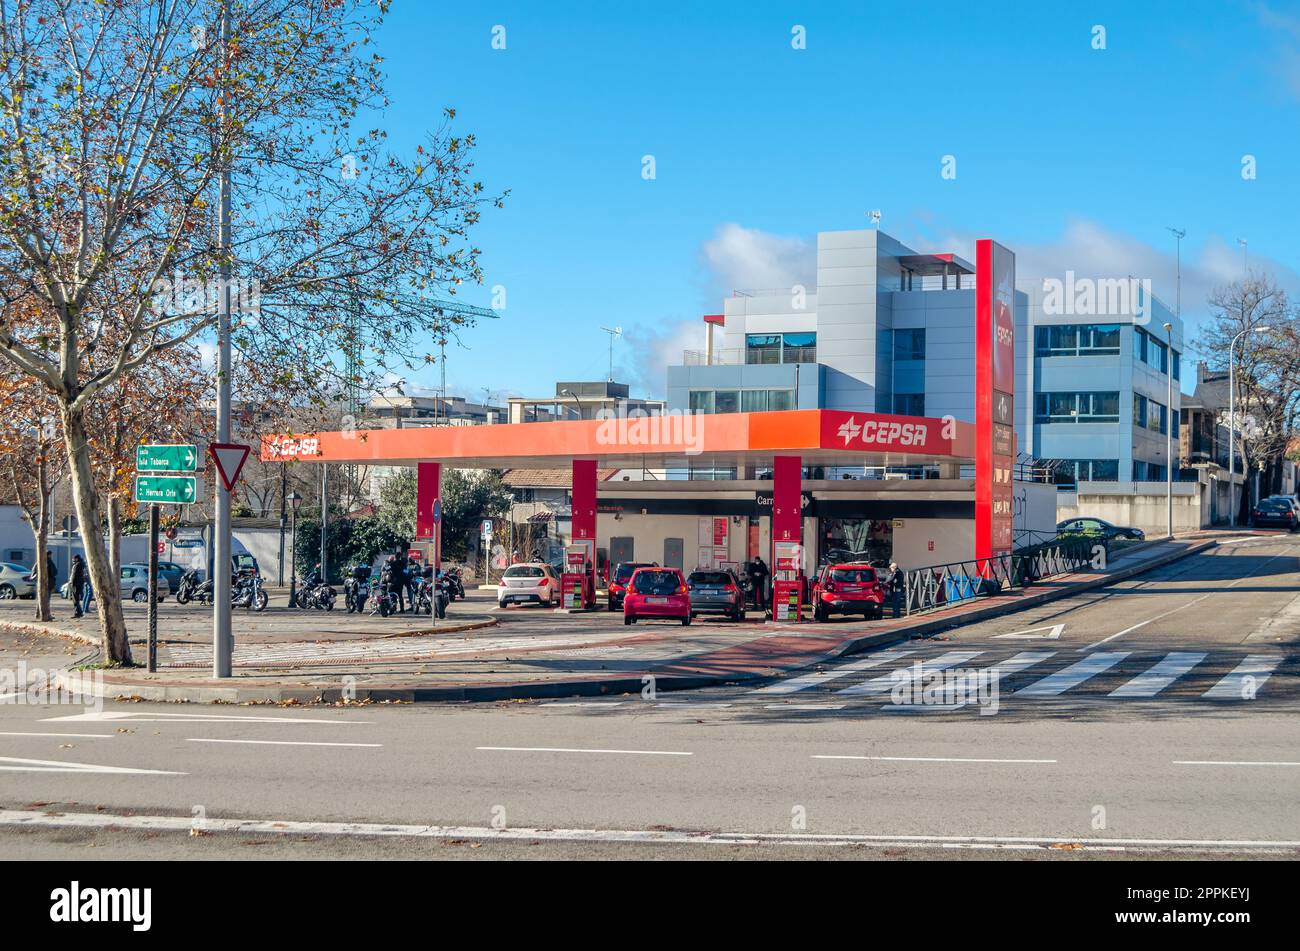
618	581
848	589
657	593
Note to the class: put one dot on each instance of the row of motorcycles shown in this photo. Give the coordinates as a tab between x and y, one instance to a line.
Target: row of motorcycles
246	590
427	594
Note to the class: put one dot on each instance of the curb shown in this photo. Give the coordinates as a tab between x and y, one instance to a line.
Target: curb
115	689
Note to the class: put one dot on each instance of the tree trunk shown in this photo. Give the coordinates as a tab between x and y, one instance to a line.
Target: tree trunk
115	536
114	646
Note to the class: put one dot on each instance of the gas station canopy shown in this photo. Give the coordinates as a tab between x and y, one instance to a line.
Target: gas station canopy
670	441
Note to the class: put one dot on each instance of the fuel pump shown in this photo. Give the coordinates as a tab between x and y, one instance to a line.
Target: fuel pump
787	582
578	583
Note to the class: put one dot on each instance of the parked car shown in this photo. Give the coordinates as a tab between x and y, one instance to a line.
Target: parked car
135	583
848	588
15	581
1278	510
1098	528
533	582
618	583
172	572
716	592
657	593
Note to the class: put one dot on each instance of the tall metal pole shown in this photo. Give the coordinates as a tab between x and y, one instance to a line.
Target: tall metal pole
222	642
324	521
1169	427
1232	432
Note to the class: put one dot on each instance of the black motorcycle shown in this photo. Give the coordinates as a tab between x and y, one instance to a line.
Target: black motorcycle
385	595
315	593
356	589
248	592
191	590
455	584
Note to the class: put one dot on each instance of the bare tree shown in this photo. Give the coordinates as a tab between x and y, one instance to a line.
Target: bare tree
115	119
1267	372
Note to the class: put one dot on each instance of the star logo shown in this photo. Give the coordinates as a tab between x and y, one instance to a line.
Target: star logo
849	430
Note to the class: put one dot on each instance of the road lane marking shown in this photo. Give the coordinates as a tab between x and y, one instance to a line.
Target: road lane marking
564	749
1061	681
887	682
1213	762
13	764
182	825
1258	667
76	736
1150	683
934	759
199	739
1142	624
152	717
1012	665
805	681
804	706
1031	634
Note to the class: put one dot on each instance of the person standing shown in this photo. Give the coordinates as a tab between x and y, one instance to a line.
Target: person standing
77	586
51	575
894	586
760	582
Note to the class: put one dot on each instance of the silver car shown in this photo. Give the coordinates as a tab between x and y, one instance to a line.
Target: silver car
716	592
15	581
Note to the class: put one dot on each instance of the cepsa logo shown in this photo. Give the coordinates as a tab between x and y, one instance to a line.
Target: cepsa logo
292	447
883	433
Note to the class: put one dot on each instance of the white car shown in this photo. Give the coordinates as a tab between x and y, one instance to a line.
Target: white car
14	581
532	583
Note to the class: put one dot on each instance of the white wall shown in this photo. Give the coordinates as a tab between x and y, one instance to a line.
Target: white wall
1141	506
16	536
922	542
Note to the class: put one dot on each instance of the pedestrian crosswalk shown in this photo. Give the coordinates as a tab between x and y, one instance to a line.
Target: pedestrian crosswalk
895	680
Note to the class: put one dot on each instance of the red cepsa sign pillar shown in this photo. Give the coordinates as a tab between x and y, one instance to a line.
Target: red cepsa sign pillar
787	537
583	529
428	507
995	398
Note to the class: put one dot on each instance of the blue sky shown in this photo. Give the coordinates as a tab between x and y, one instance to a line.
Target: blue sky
1072	156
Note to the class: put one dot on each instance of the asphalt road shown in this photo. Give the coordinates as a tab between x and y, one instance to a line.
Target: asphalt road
1158	719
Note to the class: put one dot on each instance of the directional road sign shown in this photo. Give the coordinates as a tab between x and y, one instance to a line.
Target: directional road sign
169	490
166	458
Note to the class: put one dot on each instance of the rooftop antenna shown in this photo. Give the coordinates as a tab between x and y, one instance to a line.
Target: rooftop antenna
874	215
613	332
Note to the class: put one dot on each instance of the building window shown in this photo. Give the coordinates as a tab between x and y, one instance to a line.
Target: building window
736	401
1091	407
1178	369
1087	470
909	404
762	348
1073	340
909	344
781	348
799	348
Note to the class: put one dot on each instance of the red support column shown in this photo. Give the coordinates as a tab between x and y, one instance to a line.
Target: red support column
428	506
583	522
787	537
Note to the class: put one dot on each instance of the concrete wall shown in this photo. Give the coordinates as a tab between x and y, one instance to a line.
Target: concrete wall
1136	504
922	542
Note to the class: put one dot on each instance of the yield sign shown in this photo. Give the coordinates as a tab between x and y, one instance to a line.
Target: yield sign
229	458
1036	633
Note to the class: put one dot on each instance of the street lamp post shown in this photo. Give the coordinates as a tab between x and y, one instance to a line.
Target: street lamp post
1232	421
567	392
1169	428
294	500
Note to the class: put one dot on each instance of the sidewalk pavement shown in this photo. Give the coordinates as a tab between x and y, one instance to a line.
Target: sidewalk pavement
585	656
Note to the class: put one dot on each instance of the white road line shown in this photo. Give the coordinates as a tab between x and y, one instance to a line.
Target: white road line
151	717
563	749
1012	665
199	739
1141	624
935	759
183	824
588	703
1160	676
805	681
1061	681
804	706
886	682
1256	667
75	736
13	764
1212	762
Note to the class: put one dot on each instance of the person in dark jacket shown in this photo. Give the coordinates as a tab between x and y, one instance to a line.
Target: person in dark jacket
77	581
761	575
894	580
397	580
51	575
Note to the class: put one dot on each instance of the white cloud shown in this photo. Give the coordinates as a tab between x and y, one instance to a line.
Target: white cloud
738	257
656	349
